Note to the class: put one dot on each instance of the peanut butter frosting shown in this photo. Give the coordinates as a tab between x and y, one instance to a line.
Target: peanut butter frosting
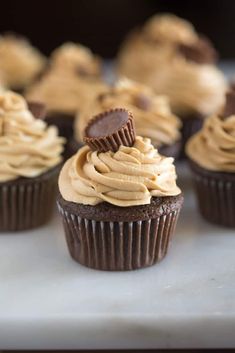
213	147
128	177
152	56
20	62
28	147
152	114
63	91
77	59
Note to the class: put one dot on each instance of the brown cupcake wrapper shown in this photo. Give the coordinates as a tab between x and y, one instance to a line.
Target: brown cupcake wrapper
190	126
28	203
124	136
215	195
118	246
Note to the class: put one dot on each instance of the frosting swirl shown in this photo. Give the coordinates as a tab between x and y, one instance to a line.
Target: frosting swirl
28	147
130	176
213	147
20	62
77	59
63	91
152	114
152	56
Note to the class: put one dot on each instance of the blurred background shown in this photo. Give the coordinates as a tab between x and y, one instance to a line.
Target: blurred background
102	24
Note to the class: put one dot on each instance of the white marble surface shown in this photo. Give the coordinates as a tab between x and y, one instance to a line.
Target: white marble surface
47	301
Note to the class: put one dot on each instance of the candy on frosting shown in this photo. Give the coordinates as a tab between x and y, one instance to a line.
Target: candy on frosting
20	62
130	176
63	91
213	147
28	147
152	114
77	59
152	56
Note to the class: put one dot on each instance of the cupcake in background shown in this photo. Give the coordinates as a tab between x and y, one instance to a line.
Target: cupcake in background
168	55
211	154
20	62
118	199
74	75
152	115
30	160
77	59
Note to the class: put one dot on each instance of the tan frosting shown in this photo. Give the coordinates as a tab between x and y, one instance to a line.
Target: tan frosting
169	28
76	58
28	147
213	147
155	121
130	176
20	62
191	87
63	91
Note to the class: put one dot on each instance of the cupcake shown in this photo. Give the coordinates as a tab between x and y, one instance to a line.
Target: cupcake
118	199
20	62
212	159
152	114
73	76
77	59
168	55
30	160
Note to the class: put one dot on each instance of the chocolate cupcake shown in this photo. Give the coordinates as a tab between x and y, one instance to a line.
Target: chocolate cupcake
74	75
30	160
118	200
20	62
168	55
152	114
212	159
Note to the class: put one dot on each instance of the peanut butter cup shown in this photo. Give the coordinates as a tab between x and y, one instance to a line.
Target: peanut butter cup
229	107
201	52
37	109
109	130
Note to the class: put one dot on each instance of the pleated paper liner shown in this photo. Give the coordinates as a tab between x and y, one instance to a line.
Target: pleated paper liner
215	195
115	246
28	203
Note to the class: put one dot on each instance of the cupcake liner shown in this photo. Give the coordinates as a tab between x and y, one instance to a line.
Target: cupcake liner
216	195
190	126
123	136
115	246
28	203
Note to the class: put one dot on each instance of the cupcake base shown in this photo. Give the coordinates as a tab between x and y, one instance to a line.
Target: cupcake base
28	203
64	123
215	194
108	237
73	146
170	150
190	126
